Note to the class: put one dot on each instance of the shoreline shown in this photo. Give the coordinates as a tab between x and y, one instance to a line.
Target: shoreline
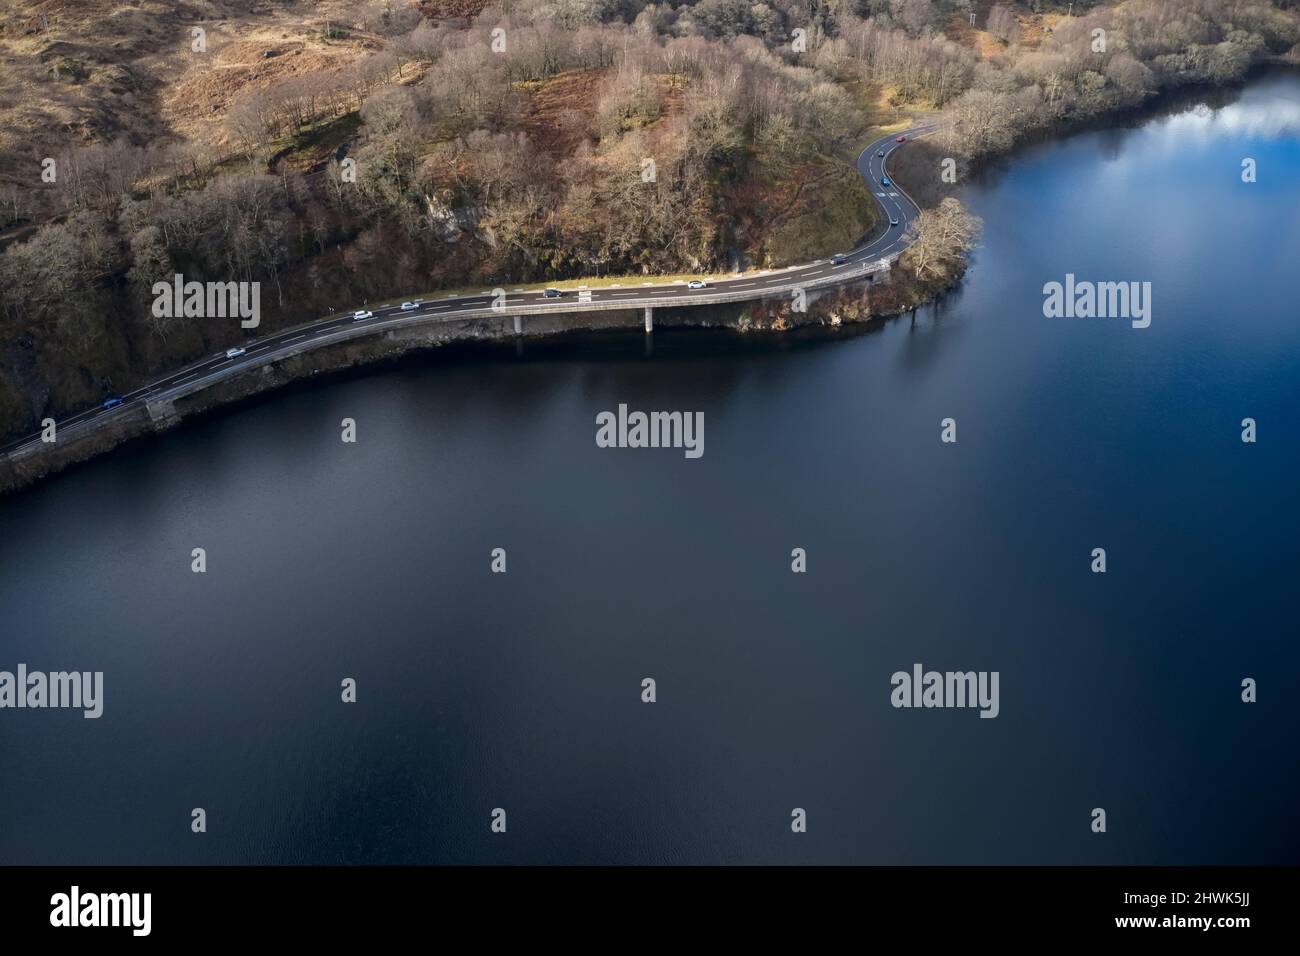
1164	102
826	308
831	307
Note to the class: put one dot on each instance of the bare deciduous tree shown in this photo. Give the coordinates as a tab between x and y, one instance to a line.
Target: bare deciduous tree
941	237
1003	24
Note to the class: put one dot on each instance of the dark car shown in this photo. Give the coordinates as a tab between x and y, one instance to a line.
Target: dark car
112	402
552	293
839	258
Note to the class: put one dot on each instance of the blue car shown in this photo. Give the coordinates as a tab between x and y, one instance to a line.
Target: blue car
884	180
112	402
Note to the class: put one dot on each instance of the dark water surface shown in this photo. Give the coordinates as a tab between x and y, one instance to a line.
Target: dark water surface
522	690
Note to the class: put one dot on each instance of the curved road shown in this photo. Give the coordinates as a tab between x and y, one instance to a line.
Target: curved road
871	164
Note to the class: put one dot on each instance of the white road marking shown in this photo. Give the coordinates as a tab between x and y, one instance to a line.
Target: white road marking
874	172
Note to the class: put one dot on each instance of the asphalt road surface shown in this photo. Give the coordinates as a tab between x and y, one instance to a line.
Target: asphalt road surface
889	240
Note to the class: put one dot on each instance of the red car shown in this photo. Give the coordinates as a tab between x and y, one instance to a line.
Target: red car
902	139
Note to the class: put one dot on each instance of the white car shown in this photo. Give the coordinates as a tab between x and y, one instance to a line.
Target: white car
362	314
410	306
697	284
893	222
234	353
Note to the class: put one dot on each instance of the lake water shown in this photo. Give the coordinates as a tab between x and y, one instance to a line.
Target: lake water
522	690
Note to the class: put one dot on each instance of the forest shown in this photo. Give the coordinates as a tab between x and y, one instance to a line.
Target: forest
341	153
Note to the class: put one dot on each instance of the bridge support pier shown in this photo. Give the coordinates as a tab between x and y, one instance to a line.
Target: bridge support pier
161	411
519	325
649	318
